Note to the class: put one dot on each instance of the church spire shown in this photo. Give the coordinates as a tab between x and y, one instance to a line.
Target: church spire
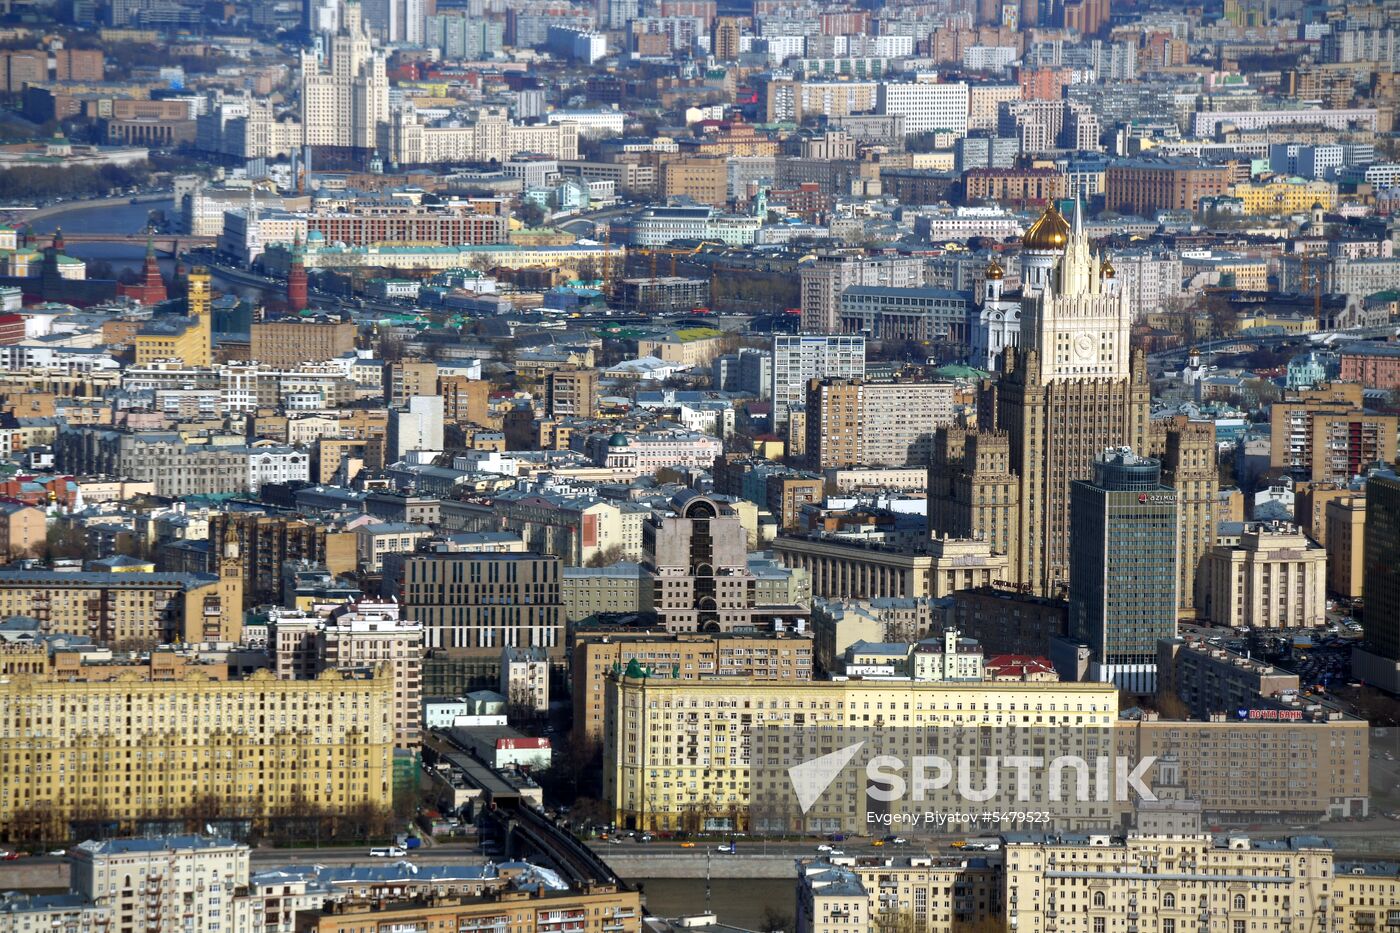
1078	229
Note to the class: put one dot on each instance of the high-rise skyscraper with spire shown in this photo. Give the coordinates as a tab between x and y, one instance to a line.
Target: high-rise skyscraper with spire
345	94
1072	389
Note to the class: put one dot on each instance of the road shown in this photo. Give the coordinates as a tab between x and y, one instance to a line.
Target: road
442	854
592	218
59	209
1210	346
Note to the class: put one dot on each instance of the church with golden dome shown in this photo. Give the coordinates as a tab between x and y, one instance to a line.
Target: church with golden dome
1078	318
998	321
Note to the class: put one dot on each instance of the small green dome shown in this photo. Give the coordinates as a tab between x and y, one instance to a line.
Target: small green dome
618	440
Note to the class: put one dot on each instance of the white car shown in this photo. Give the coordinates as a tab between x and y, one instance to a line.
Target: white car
388	852
835	852
823	848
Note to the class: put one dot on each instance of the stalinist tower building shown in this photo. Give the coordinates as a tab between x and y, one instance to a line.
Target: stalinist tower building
1071	389
345	96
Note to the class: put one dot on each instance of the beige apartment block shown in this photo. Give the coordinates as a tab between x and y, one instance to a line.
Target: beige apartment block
688	656
676	753
1274	578
1346	534
129	749
1177	884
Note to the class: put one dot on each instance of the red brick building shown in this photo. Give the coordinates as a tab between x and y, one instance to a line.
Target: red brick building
447	229
78	65
11	329
1043	83
1145	186
807	200
1374	365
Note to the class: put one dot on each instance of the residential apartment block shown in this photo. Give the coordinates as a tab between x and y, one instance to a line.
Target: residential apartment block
1325	434
676	753
129	749
188	882
128	610
863	423
367	635
684	656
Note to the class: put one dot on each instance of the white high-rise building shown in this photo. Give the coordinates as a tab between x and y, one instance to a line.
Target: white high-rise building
416	426
396	21
798	358
322	17
345	96
621	12
926	106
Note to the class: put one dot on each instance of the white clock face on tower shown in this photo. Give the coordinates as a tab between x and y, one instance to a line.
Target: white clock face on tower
1083	347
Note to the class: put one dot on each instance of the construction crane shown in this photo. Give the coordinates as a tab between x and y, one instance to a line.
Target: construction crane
1310	276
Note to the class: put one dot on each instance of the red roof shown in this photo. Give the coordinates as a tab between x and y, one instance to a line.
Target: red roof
510	744
1018	665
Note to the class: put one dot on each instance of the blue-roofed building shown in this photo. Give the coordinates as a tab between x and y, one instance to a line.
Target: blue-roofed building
196	876
62	913
140	607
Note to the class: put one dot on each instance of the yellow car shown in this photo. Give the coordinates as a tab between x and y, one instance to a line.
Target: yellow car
878	842
959	844
687	845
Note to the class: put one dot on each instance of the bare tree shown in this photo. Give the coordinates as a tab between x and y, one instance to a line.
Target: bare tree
1171	706
606	557
774	920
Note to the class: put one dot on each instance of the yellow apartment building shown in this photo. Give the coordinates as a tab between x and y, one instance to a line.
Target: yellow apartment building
190	341
132	748
1280	195
678	754
128	610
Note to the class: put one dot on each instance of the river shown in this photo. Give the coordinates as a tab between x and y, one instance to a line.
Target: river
123	218
736	901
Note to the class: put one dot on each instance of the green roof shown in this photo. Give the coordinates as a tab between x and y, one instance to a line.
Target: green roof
961	371
689	334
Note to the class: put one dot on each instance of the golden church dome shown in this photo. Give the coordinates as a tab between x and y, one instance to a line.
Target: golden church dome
1106	270
1049	232
994	271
